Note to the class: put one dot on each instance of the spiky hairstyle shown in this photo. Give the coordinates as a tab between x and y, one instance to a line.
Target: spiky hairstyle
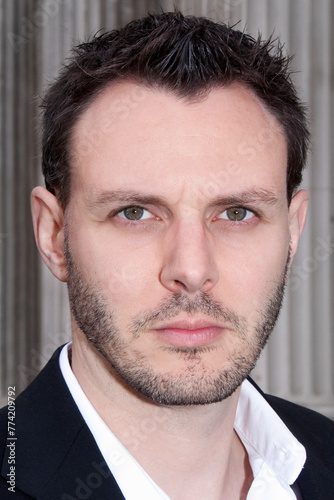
182	54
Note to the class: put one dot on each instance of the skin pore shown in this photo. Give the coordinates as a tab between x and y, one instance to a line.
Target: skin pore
176	245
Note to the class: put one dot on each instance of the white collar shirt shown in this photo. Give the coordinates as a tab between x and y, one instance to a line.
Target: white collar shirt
275	455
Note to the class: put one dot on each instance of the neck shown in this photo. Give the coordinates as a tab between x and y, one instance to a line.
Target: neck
182	448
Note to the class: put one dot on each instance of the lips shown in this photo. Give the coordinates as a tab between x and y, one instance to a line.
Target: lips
190	333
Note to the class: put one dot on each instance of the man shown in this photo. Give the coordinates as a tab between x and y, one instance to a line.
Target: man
172	152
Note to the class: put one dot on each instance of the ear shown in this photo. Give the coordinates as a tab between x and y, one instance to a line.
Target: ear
297	218
48	222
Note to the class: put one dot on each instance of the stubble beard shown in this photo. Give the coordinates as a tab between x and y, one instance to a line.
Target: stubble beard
197	384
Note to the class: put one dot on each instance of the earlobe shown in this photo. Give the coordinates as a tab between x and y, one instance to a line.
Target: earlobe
297	218
48	222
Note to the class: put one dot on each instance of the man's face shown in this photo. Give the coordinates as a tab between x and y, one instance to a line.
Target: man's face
177	237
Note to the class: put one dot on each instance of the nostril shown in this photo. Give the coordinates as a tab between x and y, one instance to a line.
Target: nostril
179	285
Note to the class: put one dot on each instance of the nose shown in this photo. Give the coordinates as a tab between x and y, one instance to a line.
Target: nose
188	263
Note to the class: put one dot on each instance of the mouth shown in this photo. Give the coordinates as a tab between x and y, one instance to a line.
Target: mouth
190	334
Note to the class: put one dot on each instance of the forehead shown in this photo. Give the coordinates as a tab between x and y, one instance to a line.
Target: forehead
132	134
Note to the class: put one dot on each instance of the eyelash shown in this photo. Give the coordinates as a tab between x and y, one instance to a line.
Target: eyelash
248	217
126	221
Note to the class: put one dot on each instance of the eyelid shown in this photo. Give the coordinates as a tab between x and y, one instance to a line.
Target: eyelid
135	220
252	212
118	211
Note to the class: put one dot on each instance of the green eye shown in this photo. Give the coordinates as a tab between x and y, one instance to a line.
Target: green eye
133	213
236	214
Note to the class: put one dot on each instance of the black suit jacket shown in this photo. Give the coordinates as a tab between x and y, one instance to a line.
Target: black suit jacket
56	457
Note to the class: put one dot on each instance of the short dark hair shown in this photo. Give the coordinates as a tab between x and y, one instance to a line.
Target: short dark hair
183	54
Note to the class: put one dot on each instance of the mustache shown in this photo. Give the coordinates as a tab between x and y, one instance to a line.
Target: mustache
181	303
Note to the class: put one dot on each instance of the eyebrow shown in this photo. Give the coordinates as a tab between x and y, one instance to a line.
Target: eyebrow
124	196
253	196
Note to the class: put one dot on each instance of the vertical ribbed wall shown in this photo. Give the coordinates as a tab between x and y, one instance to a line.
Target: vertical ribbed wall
35	37
20	269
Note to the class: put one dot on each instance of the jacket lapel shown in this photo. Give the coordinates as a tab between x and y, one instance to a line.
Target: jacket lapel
315	480
83	474
56	454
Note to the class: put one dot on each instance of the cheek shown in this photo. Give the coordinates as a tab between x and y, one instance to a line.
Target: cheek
124	278
122	272
249	274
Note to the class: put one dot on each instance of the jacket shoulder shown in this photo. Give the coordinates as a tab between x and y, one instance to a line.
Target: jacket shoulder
313	430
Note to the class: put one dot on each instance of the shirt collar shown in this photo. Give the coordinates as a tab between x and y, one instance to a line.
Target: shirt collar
266	437
272	449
